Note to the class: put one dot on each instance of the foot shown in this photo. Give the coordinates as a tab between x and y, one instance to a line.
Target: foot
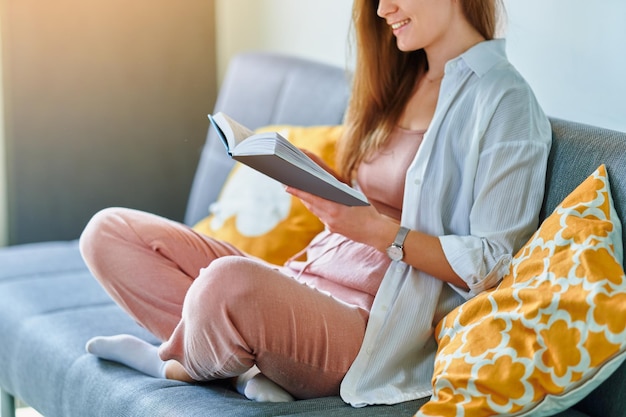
130	351
257	387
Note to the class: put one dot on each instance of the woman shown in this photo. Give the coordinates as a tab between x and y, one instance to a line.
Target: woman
449	144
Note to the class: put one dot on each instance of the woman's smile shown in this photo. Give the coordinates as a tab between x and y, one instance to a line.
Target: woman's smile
397	25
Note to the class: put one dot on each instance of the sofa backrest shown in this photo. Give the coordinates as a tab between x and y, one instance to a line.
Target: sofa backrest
260	89
577	150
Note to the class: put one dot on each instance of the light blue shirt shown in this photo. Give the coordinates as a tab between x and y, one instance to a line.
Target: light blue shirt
477	182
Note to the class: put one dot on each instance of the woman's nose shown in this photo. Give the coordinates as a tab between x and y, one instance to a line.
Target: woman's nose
385	7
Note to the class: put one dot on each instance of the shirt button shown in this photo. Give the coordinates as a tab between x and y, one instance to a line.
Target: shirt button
418	181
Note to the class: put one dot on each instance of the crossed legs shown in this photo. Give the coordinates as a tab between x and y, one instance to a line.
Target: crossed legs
220	313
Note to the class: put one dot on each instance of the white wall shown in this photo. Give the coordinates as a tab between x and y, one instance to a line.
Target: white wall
313	29
572	52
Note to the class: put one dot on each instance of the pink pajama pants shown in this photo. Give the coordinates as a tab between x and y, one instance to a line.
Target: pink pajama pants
219	311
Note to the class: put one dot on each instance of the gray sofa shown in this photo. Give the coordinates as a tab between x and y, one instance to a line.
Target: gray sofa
50	306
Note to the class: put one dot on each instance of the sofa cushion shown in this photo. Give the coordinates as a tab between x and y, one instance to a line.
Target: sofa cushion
257	215
552	330
577	150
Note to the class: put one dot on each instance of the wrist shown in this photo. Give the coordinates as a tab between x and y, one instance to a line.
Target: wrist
386	233
395	251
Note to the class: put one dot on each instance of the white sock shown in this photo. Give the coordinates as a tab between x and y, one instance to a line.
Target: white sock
130	351
257	387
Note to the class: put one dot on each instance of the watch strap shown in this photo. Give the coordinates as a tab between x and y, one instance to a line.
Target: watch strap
401	237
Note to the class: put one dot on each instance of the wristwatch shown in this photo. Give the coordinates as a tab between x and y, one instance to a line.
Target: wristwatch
395	251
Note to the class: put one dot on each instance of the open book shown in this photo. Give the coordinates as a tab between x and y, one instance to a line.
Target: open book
274	156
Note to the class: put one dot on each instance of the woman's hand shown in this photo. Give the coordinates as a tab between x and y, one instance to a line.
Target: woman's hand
362	224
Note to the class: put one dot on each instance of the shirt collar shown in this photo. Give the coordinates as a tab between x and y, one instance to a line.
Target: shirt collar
480	58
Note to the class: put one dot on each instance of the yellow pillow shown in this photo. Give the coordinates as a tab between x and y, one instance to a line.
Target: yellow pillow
553	329
253	211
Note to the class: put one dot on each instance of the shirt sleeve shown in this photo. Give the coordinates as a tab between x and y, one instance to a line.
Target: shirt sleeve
508	191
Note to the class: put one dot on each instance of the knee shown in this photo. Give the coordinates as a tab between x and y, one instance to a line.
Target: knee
227	281
232	276
100	228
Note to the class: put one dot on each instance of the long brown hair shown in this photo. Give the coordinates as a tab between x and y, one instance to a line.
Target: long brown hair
384	78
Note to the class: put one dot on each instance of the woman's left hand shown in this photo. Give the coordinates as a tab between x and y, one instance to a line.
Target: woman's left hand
360	223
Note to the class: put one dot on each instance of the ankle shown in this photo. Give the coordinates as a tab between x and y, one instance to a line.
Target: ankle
175	371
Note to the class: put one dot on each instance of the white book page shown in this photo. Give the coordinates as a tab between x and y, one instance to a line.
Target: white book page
234	132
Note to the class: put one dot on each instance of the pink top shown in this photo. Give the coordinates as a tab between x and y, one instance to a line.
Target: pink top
352	271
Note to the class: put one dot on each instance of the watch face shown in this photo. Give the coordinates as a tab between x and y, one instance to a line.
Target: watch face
395	253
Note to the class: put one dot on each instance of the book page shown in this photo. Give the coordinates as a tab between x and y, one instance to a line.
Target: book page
234	133
273	143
